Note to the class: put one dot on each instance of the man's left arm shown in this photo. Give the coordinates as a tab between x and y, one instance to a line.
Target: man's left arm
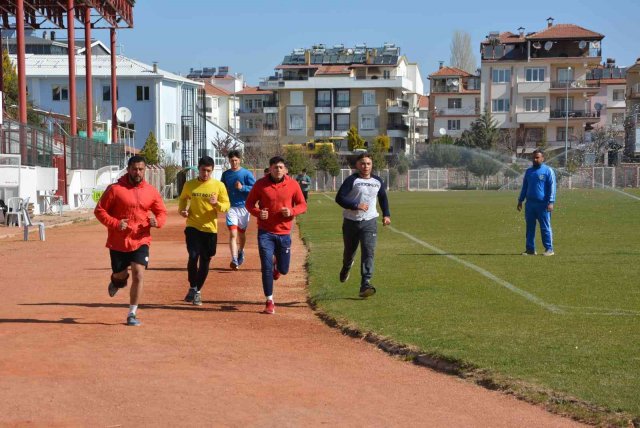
550	189
299	204
249	181
384	204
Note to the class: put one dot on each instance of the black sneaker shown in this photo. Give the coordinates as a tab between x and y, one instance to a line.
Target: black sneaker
133	321
197	299
112	289
190	294
367	290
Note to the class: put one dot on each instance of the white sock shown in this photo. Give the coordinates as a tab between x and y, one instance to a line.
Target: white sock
133	309
270	297
197	291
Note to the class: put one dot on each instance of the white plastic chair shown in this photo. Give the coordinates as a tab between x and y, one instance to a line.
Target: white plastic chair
29	223
14	209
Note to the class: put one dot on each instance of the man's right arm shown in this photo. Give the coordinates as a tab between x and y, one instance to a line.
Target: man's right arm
102	209
523	192
342	198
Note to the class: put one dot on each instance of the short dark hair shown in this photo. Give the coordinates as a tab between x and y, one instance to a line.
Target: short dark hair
234	154
536	151
136	159
363	155
206	161
266	170
277	159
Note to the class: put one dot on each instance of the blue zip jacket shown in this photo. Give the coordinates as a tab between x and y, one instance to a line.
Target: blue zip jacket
539	185
229	178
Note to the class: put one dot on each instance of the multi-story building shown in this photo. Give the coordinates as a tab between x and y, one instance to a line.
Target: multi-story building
221	99
454	101
632	146
536	83
322	92
258	114
609	102
422	121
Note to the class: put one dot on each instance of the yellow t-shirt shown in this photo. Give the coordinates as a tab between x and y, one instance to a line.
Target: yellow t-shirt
202	215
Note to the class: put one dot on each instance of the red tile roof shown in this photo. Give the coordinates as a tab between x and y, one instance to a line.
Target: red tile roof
506	38
450	71
251	90
565	31
613	81
285	66
211	89
423	102
333	69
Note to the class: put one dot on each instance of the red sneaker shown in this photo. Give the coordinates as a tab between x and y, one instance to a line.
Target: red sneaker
270	307
276	274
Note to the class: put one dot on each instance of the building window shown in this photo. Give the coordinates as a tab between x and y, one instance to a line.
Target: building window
323	98
342	122
367	121
565	75
342	98
534	74
561	135
271	121
454	103
618	95
142	93
501	75
386	74
369	98
323	122
214	103
533	135
169	131
565	104
296	122
617	119
453	124
296	98
534	104
59	93
500	105
248	105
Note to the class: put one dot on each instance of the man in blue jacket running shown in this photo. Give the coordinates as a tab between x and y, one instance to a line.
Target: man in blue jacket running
539	189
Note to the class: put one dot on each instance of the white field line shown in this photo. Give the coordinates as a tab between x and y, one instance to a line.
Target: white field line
530	297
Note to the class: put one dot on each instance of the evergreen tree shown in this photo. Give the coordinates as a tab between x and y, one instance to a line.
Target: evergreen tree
150	150
354	140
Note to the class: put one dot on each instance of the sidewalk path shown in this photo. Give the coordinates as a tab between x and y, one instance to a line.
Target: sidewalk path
67	359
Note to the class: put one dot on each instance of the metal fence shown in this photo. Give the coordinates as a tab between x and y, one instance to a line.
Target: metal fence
38	147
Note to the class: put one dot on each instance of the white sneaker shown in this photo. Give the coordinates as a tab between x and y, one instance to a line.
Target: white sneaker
548	253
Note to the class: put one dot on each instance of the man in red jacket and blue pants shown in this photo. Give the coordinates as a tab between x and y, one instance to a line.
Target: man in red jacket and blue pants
275	200
124	208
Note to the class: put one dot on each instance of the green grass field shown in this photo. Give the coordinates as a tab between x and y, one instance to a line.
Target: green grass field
569	322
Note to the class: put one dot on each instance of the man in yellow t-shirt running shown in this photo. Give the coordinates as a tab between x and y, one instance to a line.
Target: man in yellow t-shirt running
206	197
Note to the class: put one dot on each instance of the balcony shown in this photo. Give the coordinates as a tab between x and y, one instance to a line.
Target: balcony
575	114
464	111
533	87
533	117
575	84
399	130
634	92
422	121
397	106
444	89
253	110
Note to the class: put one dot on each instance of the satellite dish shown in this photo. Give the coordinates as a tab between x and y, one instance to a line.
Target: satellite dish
123	114
595	45
597	106
536	45
548	46
442	131
582	44
455	83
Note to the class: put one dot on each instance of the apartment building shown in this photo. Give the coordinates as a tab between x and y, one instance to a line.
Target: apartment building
422	121
221	95
321	92
609	102
258	115
538	83
454	101
632	146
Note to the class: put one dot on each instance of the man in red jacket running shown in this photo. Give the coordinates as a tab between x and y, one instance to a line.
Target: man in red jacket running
279	199
124	209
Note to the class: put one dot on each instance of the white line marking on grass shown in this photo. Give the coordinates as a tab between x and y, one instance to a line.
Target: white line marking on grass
530	297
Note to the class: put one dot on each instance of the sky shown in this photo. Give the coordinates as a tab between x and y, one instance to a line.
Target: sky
252	37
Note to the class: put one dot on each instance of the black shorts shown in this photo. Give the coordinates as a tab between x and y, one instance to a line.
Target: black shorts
200	243
120	261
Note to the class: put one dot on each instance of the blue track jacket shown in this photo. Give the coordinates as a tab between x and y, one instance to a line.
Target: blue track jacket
539	185
229	178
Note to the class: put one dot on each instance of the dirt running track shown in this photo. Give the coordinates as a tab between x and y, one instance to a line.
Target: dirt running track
67	359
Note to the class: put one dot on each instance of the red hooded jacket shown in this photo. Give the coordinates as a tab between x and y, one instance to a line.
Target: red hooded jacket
125	200
274	196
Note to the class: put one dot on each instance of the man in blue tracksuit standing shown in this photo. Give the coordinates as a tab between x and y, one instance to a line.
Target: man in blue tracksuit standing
358	195
539	189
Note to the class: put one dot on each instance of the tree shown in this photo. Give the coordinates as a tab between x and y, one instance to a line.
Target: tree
224	144
441	156
10	81
150	150
603	139
380	147
482	164
328	162
298	159
483	134
462	55
382	143
354	140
